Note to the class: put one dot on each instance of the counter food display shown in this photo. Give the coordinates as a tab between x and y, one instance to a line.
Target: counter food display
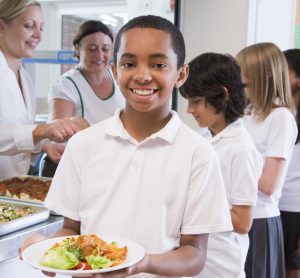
22	213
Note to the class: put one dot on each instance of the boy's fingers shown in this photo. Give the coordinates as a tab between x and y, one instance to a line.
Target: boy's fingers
50	274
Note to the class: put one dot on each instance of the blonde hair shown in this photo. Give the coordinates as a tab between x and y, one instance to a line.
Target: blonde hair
266	69
10	9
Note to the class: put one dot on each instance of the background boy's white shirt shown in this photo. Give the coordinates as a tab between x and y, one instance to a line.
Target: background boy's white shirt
273	137
95	109
241	166
173	174
290	198
17	114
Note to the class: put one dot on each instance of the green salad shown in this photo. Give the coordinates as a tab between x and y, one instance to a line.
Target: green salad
83	253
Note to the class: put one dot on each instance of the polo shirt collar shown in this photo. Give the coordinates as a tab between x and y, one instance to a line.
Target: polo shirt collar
167	133
230	131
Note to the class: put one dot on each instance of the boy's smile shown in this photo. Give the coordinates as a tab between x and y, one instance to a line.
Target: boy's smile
146	70
143	92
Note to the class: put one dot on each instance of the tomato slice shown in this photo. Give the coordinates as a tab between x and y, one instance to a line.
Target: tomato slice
82	266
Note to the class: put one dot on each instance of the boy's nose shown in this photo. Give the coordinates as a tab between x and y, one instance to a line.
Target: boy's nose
189	109
142	75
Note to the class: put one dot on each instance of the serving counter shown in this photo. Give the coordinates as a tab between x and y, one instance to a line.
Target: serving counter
10	265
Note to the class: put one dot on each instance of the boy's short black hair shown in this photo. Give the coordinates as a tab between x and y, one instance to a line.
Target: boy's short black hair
208	75
159	23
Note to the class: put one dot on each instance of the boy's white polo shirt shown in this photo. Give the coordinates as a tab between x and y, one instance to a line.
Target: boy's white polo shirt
241	166
273	137
150	192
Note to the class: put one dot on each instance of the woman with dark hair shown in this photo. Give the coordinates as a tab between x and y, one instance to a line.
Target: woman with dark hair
88	90
289	202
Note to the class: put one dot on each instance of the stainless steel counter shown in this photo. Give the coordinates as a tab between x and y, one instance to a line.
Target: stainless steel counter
10	243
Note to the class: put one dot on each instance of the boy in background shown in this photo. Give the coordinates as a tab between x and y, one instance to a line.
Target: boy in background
216	99
143	174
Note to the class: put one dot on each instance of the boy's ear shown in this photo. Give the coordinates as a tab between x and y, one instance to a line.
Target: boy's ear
225	92
114	71
182	76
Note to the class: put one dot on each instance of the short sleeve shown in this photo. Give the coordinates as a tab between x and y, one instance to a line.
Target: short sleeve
65	191
245	171
207	208
63	88
282	134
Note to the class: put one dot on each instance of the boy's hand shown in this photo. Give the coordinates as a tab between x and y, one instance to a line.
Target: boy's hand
122	273
29	241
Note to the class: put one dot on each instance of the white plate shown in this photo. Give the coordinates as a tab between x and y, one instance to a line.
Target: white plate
33	254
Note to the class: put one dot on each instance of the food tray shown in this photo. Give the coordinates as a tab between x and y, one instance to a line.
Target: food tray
25	200
40	215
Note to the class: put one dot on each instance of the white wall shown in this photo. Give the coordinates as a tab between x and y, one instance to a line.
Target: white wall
229	25
223	26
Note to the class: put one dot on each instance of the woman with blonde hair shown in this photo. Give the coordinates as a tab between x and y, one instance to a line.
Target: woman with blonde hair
273	128
21	26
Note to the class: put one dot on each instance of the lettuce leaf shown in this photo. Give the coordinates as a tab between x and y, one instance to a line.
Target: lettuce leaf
97	262
59	258
77	251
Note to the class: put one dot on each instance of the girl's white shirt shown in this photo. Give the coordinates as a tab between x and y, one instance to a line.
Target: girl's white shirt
17	113
273	137
290	199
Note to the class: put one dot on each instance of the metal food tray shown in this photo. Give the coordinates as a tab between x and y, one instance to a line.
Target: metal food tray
37	202
40	215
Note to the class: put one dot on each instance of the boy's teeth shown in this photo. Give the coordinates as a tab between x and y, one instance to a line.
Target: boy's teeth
143	92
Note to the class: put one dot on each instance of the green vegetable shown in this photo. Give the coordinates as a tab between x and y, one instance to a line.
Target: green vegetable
97	262
77	251
59	258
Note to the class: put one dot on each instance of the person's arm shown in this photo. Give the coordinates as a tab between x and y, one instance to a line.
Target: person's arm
59	130
60	108
241	217
187	260
70	227
271	175
54	151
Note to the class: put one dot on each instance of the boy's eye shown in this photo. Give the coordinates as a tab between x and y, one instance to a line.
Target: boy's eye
127	65
160	66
